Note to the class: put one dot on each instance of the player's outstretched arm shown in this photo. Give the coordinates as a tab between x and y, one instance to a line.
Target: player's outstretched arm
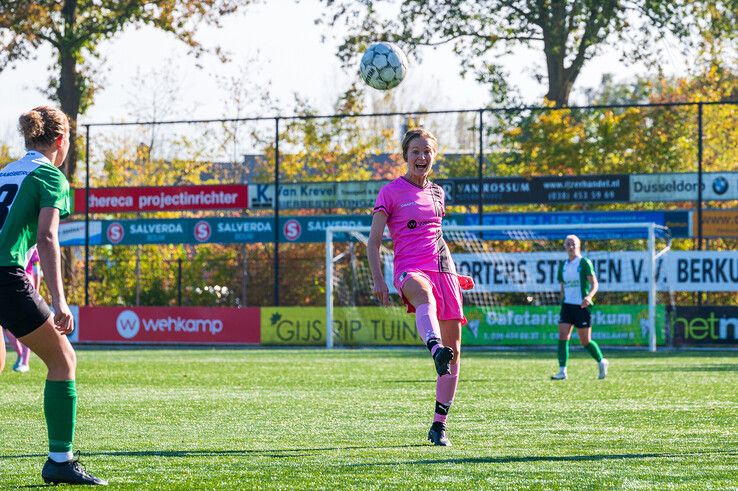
380	290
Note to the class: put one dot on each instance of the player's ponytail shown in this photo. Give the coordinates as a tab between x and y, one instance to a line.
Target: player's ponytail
42	125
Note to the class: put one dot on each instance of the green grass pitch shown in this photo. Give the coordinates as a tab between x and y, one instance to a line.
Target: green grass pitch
357	419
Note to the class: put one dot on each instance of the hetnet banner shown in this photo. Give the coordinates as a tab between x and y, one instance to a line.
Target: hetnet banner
626	271
169	325
706	325
535	325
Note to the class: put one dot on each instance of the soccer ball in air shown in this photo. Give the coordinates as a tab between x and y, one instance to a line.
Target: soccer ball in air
383	66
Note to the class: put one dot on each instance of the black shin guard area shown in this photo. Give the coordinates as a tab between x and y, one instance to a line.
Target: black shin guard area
431	343
442	409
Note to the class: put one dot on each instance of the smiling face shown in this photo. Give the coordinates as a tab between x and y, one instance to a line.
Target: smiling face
420	154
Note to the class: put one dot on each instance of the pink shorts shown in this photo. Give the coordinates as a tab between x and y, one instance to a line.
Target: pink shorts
446	291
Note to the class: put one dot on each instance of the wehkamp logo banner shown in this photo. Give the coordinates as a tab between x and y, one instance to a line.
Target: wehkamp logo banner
170	325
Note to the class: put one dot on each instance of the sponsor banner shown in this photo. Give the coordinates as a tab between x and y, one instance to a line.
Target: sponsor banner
502	190
589	189
718	223
354	326
496	190
623	271
225	230
683	186
173	198
705	325
541	189
516	325
186	325
73	233
312	228
349	194
677	221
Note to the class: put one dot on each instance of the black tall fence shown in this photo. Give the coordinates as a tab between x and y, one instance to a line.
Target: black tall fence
481	150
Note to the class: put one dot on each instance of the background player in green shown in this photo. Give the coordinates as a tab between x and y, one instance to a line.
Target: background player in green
578	288
34	196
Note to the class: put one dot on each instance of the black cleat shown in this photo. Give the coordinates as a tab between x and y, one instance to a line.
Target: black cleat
69	472
437	435
442	358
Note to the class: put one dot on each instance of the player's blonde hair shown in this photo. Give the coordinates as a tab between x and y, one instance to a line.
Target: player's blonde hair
576	240
418	133
42	125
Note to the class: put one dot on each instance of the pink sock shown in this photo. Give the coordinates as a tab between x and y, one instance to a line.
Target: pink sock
426	322
26	352
17	345
445	391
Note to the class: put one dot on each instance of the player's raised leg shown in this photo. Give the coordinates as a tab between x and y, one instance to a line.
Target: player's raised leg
417	289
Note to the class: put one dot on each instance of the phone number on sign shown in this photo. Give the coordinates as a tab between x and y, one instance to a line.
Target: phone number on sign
581	196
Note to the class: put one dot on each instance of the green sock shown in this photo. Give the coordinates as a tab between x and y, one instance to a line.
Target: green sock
563	352
594	349
60	410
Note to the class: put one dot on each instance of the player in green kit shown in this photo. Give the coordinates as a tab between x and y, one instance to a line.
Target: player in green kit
34	196
578	287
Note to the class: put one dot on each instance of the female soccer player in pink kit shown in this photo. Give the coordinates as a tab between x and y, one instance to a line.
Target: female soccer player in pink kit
424	274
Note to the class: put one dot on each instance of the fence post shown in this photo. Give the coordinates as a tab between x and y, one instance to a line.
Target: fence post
87	215
480	204
699	186
179	282
276	211
699	176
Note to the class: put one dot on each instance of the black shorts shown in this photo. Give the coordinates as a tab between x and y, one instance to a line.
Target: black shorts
575	315
22	310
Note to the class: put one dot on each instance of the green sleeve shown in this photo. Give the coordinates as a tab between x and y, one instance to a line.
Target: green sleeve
53	189
587	268
560	272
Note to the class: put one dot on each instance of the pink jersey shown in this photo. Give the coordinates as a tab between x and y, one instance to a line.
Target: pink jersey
414	216
33	260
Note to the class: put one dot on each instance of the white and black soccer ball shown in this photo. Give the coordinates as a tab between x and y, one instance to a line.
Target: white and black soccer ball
383	66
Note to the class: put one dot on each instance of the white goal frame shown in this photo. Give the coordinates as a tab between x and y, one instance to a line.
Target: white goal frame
361	234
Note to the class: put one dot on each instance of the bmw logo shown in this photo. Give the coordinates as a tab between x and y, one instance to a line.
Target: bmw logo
720	185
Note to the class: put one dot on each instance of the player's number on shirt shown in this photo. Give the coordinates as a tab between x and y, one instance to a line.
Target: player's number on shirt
7	195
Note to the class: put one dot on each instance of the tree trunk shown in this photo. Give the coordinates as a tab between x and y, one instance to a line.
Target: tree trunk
69	94
552	21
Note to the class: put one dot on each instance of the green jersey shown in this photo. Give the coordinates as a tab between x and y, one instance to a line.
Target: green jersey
575	275
26	186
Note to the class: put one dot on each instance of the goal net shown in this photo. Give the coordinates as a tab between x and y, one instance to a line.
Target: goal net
517	294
